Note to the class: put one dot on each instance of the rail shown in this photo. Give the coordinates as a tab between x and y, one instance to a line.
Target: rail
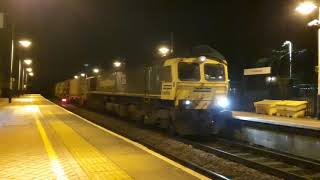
278	164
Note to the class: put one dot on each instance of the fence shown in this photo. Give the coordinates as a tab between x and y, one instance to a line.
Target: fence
243	99
307	92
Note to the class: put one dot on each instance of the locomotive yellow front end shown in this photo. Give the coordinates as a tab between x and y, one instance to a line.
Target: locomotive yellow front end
199	89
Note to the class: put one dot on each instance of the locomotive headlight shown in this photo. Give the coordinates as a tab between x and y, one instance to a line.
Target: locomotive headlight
187	102
202	58
222	101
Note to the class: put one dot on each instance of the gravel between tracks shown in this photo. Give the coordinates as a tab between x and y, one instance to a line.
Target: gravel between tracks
173	147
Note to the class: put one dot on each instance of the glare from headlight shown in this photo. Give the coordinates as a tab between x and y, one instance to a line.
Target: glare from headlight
223	102
187	102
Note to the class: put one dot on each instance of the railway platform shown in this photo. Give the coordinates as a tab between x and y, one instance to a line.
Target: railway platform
40	140
299	123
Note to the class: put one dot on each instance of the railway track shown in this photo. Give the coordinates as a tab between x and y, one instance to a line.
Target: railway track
278	164
274	163
207	172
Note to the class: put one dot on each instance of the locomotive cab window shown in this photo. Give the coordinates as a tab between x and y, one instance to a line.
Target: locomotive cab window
214	72
165	74
189	71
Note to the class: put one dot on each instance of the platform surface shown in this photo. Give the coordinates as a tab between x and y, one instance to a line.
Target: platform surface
306	123
40	140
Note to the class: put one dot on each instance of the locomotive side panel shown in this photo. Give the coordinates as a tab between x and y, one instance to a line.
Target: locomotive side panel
135	80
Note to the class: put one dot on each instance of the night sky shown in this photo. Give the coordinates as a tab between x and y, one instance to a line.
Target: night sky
69	33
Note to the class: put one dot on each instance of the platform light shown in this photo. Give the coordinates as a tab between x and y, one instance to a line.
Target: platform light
96	70
76	77
83	75
29	69
27	61
306	7
31	74
163	51
25	43
314	22
117	64
64	100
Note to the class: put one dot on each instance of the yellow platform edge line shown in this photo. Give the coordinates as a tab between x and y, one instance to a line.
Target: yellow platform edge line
72	140
55	164
140	146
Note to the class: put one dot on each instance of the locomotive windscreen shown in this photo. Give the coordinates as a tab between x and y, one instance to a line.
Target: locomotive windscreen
214	72
189	71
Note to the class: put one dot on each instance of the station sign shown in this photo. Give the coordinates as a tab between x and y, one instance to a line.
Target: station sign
257	71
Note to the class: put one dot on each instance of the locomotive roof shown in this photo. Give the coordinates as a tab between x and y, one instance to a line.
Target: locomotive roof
203	50
209	52
177	59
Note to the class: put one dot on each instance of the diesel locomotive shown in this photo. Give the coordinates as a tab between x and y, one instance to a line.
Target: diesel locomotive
185	95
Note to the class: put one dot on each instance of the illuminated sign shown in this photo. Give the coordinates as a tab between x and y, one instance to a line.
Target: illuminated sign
257	71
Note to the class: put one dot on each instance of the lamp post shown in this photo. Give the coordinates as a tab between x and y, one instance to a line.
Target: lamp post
289	44
26	62
83	75
23	43
19	76
95	70
117	66
163	51
29	70
307	8
31	74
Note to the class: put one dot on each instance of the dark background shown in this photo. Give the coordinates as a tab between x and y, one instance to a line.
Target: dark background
68	33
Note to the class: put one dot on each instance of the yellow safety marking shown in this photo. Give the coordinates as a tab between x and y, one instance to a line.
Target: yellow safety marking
55	164
179	166
93	162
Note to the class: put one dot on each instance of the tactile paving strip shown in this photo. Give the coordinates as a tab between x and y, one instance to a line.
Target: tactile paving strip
93	163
